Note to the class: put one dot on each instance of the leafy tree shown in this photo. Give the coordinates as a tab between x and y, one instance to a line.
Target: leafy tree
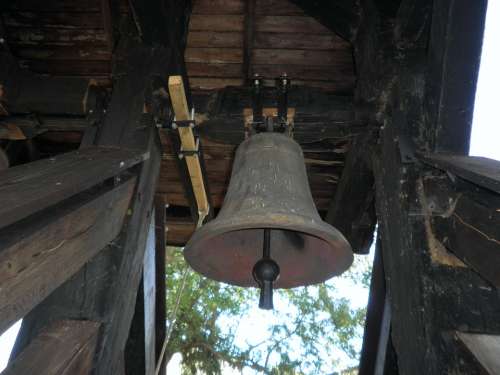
307	330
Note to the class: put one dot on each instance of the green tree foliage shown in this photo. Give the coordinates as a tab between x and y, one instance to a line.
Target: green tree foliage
307	330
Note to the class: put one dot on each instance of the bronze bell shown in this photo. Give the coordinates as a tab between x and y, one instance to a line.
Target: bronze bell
268	213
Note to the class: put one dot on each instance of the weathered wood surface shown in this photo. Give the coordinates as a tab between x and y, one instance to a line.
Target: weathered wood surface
453	64
229	41
140	350
41	253
352	209
30	188
485	348
478	170
466	220
160	273
65	347
179	230
40	124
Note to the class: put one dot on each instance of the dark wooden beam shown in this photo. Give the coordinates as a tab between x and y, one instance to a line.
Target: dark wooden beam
64	348
342	17
42	252
140	350
248	39
480	171
412	23
161	271
24	92
179	230
466	221
376	353
453	64
30	188
352	209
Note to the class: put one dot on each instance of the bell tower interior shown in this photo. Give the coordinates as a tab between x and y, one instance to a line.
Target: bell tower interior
127	126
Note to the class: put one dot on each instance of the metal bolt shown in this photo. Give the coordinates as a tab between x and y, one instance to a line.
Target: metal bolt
174	125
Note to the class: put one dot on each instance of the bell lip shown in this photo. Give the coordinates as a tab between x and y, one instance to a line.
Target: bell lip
310	227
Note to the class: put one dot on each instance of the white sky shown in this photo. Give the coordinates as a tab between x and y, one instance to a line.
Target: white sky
484	142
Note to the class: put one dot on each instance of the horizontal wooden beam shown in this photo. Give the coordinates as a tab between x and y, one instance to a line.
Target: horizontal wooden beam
481	171
179	230
24	92
64	348
34	125
42	252
30	188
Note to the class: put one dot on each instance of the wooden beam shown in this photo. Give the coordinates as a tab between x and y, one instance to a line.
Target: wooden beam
248	40
454	53
41	253
30	188
465	219
485	348
161	271
179	230
342	17
24	92
188	144
140	350
481	171
352	209
64	348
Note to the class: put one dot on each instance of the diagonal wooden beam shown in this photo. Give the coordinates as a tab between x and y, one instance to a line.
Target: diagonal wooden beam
31	187
64	348
41	253
341	16
352	209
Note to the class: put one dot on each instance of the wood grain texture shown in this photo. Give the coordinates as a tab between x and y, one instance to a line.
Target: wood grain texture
30	188
64	348
216	23
41	253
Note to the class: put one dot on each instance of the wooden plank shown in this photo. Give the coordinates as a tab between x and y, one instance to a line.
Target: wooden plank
214	83
59	20
278	8
213	55
30	188
64	348
179	231
478	170
62	5
80	51
46	123
31	35
181	110
41	253
352	209
342	76
75	68
485	348
218	7
303	57
299	40
216	23
289	24
215	39
213	70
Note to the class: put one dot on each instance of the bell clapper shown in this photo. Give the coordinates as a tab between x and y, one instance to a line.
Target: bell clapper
265	272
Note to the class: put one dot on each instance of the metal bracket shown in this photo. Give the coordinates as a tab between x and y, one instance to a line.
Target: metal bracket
183	153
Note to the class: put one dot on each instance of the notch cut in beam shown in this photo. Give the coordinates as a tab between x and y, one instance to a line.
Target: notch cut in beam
31	187
65	347
42	252
188	143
